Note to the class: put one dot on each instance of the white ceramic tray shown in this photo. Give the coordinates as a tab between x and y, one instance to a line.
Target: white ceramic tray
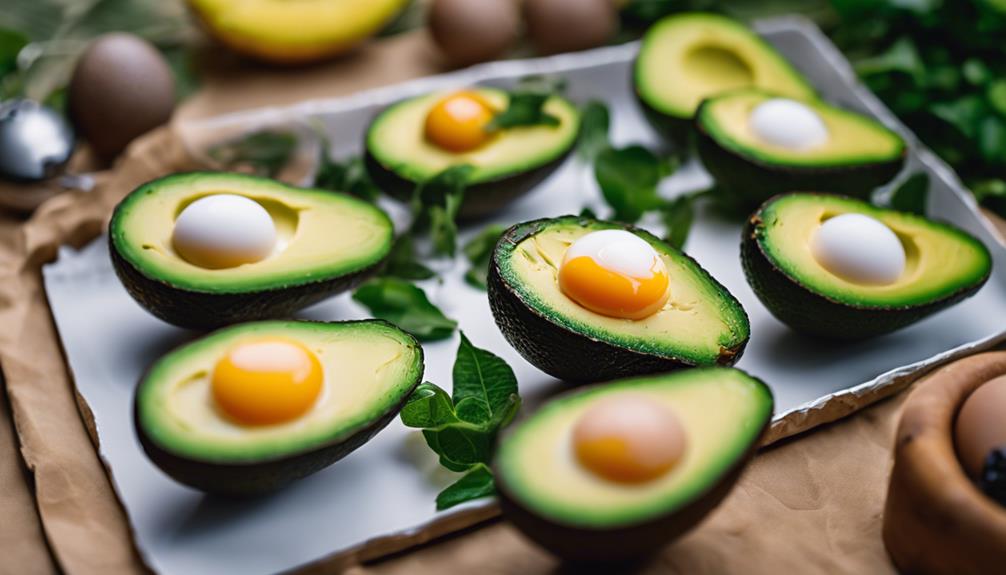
384	492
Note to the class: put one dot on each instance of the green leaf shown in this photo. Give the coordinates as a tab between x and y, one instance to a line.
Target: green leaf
475	484
628	178
595	122
484	376
525	108
997	96
963	113
991	194
436	202
460	445
902	57
349	176
479	251
911	195
403	262
678	216
428	406
11	43
992	140
265	152
406	306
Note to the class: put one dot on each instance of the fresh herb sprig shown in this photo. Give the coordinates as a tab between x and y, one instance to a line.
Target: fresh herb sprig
406	306
479	251
461	428
349	175
435	205
526	105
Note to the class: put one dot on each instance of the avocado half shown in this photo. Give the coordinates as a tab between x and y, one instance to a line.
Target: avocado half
686	58
574	344
398	157
944	266
332	241
861	154
371	363
562	506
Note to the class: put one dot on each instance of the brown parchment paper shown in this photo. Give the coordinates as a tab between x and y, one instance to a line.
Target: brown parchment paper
808	505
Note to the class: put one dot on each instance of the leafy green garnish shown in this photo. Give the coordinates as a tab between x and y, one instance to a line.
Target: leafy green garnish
479	251
628	178
462	428
11	43
435	205
912	194
406	306
526	106
403	262
265	153
678	216
595	122
349	175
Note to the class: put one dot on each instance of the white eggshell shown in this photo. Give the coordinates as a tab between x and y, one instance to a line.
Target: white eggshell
618	251
859	249
788	124
224	230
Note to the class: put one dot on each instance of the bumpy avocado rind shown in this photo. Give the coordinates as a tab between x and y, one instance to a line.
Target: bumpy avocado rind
514	162
862	155
686	58
945	265
557	504
189	296
576	345
261	465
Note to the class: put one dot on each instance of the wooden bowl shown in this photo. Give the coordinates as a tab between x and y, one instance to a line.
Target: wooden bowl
936	520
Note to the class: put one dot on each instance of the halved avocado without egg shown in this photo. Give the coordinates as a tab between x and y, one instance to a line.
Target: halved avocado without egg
512	162
327	243
702	324
686	58
369	368
859	154
943	266
560	503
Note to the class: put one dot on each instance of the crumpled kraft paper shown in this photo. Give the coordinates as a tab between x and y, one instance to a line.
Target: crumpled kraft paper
811	504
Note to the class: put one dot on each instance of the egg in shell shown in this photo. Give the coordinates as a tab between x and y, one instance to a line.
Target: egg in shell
615	273
859	249
788	124
224	231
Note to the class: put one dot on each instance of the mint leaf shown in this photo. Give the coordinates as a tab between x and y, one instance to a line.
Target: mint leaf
911	195
403	262
475	484
679	215
349	176
484	376
406	306
479	251
628	178
265	152
595	122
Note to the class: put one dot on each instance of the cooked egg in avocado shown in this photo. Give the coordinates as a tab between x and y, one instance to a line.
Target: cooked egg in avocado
415	139
839	267
253	407
206	249
615	471
586	300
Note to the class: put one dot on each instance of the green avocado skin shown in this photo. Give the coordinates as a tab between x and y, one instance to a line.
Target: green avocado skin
203	310
481	199
744	182
676	130
565	354
815	314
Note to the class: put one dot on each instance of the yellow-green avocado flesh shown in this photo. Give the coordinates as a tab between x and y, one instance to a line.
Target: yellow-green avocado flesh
369	369
701	324
689	57
575	513
327	242
944	265
511	163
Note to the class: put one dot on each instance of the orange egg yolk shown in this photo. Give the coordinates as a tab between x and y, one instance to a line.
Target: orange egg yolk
629	439
459	122
267	381
612	293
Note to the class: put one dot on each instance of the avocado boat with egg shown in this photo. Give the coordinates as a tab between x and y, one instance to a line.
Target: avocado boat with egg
252	407
757	145
585	300
206	249
689	57
613	472
414	140
841	268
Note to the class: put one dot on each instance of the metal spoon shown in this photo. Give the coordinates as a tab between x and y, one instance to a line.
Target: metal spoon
35	141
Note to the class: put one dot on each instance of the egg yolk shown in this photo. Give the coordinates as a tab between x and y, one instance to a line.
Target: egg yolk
459	122
628	439
267	381
614	293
